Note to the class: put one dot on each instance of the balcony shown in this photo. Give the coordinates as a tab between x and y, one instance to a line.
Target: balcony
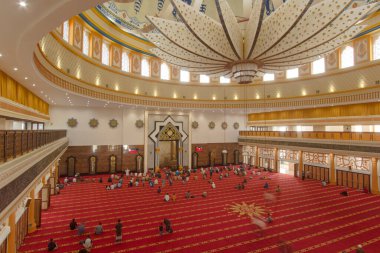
17	143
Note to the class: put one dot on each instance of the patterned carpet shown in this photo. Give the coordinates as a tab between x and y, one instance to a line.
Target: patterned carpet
306	215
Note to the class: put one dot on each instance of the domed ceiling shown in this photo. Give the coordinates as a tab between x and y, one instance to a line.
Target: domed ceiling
130	15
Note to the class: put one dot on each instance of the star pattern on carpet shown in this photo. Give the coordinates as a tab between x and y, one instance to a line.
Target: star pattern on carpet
245	209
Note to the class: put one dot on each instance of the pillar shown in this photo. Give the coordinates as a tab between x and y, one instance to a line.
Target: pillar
12	235
31	216
332	169
275	159
300	163
257	156
374	177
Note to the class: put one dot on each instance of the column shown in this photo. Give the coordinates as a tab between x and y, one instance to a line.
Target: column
12	235
257	156
275	159
300	163
31	219
374	177
332	169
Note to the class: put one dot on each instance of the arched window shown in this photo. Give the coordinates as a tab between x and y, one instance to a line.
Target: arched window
292	73
376	48
105	53
165	72
66	31
318	66
204	79
224	80
145	69
268	77
125	62
185	76
86	42
347	57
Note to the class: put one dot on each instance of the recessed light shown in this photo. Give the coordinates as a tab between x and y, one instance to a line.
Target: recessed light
22	3
1	55
15	69
42	92
34	85
26	78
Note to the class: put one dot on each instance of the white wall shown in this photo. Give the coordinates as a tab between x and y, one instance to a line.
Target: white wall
127	133
203	134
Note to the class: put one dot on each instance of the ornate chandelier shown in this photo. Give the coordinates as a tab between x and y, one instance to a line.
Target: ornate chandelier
298	32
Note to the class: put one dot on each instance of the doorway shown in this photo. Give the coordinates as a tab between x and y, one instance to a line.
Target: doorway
168	154
287	168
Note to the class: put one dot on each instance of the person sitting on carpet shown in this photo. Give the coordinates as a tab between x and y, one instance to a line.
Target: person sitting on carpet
174	197
159	190
73	224
99	229
344	193
66	180
324	183
167	197
52	245
213	186
118	230
81	229
204	194
238	187
168	225
266	185
87	244
161	228
359	249
269	218
109	180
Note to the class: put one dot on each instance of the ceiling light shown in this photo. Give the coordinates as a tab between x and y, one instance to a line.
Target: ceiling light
34	85
42	92
26	78
265	45
15	69
22	4
1	55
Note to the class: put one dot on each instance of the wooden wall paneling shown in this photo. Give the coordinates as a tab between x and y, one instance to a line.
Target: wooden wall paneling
367	182
355	182
360	181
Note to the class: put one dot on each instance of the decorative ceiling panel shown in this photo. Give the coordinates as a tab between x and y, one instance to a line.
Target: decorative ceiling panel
253	27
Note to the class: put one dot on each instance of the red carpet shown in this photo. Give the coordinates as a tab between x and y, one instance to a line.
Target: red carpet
307	216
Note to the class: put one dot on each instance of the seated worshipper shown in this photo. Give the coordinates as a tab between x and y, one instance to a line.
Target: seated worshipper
52	245
100	180
74	180
174	197
238	187
344	193
159	190
66	180
118	185
161	228
227	174
188	195
221	176
87	244
151	183
113	186
81	229
324	184
266	185
156	181
359	249
269	218
204	194
108	187
167	197
137	183
127	172
213	186
57	189
243	186
278	189
168	226
112	176
73	224
109	180
99	229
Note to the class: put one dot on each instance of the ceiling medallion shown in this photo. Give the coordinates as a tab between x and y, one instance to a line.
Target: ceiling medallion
113	123
296	33
72	122
224	125
93	123
211	125
236	125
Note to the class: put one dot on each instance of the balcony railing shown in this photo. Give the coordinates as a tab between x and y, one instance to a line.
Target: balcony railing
16	143
349	136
